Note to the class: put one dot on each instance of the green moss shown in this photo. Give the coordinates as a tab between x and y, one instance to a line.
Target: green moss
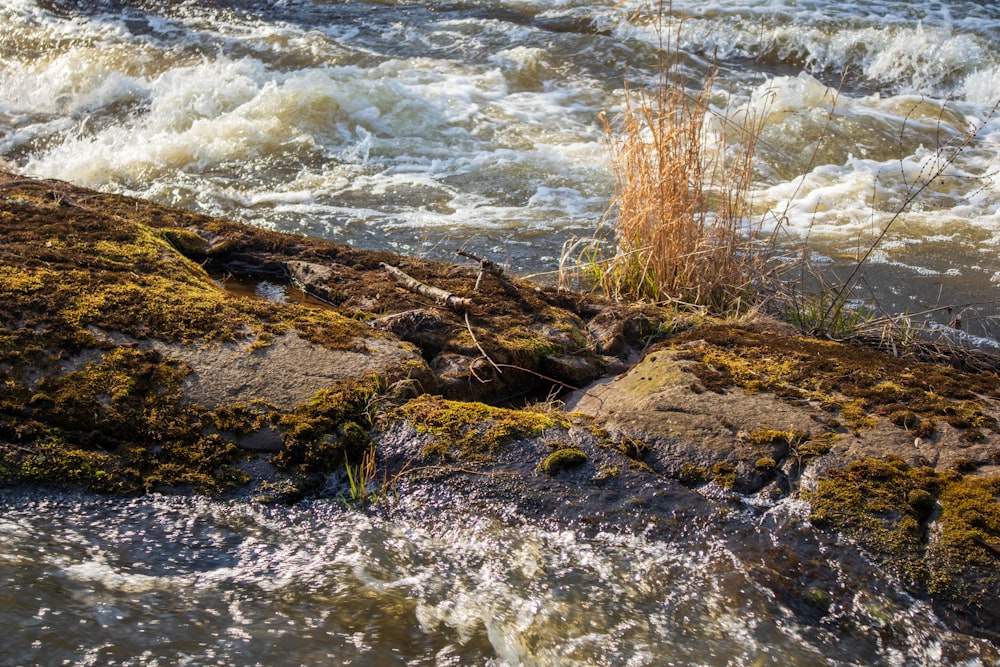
765	463
693	475
472	430
115	424
922	502
885	504
84	401
768	436
562	459
606	472
905	418
724	474
856	414
633	448
818	598
335	424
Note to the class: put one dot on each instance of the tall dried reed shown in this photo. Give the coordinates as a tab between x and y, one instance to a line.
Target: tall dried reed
681	208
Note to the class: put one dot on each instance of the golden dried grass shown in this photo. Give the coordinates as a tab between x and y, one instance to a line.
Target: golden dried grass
681	210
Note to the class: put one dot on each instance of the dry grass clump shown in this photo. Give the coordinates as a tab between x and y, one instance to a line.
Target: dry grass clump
681	210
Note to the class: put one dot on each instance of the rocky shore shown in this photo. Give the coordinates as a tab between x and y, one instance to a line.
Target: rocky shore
145	349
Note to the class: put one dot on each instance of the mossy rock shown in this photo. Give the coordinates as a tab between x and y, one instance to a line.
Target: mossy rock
938	531
470	430
110	328
563	458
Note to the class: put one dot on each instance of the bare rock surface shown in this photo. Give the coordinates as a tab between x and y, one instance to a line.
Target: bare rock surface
286	371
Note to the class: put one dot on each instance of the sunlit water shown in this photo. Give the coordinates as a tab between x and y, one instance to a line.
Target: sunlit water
423	126
168	581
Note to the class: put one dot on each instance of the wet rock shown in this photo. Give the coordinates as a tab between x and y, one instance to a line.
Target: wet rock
576	371
311	278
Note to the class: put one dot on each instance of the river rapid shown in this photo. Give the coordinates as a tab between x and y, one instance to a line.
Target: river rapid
425	126
178	581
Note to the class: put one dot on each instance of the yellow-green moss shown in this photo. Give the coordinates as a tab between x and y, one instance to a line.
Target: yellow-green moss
114	424
84	402
860	383
769	436
562	459
472	430
334	424
765	463
885	505
693	475
606	472
724	474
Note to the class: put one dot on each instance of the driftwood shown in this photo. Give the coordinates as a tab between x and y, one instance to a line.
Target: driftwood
436	293
485	266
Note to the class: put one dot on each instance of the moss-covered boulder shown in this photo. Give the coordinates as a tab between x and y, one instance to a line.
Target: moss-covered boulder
138	354
897	454
742	394
127	368
936	530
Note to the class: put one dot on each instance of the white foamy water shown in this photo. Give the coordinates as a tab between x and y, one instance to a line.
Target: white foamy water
163	581
418	127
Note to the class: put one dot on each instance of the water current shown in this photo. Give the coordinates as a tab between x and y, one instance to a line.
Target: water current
169	581
422	126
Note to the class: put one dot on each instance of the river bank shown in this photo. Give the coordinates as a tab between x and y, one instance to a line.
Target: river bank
130	368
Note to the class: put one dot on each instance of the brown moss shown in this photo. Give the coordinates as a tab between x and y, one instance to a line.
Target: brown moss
858	382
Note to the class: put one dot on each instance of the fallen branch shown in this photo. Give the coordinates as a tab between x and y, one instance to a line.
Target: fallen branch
435	293
485	266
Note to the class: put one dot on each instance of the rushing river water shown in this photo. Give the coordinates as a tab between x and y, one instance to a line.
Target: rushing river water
423	126
169	581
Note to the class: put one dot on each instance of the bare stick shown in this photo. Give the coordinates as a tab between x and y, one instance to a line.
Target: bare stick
435	293
485	266
486	356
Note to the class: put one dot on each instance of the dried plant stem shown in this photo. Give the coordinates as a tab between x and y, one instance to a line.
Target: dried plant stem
682	201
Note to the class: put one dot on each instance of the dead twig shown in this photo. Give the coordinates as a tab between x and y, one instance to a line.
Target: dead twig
436	293
485	266
480	347
538	375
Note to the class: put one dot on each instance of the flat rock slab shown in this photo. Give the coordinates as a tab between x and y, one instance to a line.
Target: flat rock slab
790	416
285	372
